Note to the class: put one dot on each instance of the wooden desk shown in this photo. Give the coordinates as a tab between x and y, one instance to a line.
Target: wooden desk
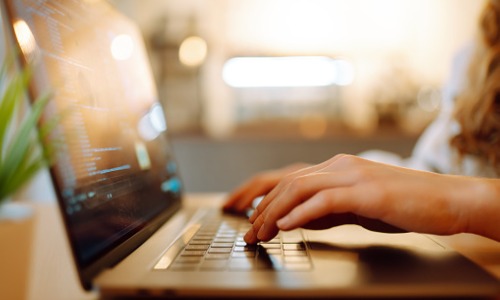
53	275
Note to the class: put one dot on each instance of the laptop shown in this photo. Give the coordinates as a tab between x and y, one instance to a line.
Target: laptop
121	196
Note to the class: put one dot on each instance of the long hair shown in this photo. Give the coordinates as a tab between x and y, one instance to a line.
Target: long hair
478	106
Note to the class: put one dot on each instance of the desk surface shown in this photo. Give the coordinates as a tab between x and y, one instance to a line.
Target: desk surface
53	276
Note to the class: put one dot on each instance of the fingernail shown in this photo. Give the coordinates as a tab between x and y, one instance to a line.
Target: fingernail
283	223
249	237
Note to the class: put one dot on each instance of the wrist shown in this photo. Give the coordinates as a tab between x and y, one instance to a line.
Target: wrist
484	208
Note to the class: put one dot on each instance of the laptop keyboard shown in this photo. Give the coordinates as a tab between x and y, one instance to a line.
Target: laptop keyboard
218	245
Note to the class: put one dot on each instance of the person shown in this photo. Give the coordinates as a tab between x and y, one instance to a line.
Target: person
450	184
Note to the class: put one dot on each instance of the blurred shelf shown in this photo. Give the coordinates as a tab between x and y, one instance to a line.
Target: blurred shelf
214	165
291	130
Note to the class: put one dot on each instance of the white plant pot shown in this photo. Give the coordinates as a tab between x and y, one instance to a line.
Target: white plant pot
16	235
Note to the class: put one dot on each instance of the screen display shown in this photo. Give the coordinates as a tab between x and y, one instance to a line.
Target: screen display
114	171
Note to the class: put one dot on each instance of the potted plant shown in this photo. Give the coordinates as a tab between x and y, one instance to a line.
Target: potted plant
21	157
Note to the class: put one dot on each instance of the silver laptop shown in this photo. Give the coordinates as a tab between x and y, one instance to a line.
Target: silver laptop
120	194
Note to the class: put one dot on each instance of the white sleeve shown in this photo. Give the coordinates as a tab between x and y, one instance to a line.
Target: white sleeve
432	151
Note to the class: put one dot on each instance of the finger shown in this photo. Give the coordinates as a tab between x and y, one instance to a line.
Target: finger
243	196
300	172
331	201
282	184
296	192
378	225
251	236
259	185
331	220
235	196
259	189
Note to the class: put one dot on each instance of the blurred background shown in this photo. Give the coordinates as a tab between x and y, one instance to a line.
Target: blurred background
249	85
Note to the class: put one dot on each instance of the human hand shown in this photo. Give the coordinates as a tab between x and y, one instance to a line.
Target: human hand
348	189
242	197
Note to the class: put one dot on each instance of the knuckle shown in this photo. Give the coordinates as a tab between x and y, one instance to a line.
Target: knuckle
289	176
346	159
340	156
295	186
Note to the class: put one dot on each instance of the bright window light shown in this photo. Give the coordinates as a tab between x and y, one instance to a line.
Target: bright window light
289	71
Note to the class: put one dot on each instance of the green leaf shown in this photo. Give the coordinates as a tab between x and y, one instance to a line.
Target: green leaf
24	138
10	101
24	174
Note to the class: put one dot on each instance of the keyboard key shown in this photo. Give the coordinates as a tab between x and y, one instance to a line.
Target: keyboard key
270	246
219	250
204	235
228	230
274	251
203	238
222	245
193	253
200	242
197	247
225	236
211	256
251	248
243	254
295	253
300	246
274	241
224	240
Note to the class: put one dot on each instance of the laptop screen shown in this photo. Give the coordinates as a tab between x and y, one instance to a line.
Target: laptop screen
114	171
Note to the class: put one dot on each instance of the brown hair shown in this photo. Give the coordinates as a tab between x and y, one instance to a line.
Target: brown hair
478	106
